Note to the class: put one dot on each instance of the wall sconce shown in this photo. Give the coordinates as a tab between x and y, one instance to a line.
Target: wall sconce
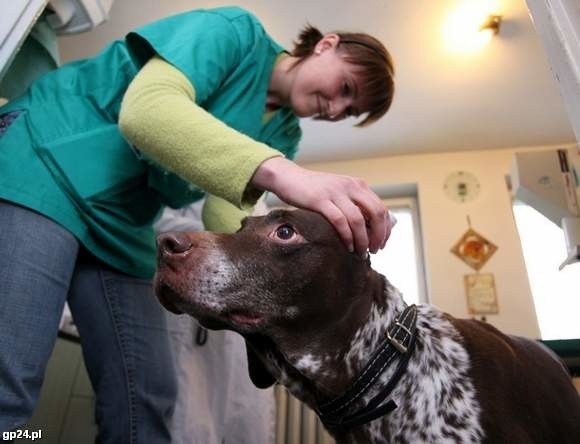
471	26
491	23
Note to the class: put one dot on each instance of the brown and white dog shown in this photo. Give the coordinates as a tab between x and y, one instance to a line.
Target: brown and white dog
313	315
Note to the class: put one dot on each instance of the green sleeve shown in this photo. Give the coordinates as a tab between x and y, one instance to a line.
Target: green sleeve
221	216
159	117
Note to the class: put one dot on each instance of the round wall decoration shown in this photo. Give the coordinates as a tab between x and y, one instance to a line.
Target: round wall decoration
461	186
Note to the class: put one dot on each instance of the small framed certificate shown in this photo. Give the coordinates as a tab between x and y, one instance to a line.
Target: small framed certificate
481	294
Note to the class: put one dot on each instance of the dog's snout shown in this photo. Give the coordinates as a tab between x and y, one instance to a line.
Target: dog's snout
173	243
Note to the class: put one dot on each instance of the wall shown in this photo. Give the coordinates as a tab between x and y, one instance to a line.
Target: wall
443	222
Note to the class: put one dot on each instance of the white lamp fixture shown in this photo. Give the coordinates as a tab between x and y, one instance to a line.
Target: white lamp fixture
545	180
471	25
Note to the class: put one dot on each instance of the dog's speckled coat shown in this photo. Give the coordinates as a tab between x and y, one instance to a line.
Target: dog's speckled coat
312	314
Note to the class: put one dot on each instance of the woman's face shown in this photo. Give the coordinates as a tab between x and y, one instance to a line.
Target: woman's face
325	86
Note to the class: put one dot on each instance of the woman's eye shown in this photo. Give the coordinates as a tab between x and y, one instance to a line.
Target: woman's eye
285	232
345	89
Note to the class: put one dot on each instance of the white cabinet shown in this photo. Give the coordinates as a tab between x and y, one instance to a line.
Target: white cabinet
16	20
557	22
17	17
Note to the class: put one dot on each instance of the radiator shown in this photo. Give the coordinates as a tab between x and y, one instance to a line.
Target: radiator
296	423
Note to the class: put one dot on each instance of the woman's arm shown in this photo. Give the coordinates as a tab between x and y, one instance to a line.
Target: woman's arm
160	117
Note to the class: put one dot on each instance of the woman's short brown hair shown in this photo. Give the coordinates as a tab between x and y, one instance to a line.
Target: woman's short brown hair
376	67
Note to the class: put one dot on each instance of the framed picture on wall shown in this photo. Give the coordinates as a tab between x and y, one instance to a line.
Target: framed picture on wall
481	294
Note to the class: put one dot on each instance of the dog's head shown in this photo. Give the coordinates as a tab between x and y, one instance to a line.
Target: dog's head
284	277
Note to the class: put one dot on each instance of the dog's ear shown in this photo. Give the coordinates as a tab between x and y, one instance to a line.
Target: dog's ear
259	374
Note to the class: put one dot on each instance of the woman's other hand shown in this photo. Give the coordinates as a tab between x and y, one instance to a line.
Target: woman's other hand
356	212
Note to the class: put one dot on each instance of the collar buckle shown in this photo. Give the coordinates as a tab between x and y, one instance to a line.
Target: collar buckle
395	343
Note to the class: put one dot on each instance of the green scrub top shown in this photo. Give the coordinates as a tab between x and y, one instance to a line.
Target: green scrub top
65	157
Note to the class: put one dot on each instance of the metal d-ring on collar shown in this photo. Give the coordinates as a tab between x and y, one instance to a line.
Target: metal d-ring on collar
201	335
399	343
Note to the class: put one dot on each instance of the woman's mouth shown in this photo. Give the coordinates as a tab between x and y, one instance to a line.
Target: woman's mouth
319	102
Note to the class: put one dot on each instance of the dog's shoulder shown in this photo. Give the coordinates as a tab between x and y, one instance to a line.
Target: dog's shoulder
483	338
507	356
512	374
485	342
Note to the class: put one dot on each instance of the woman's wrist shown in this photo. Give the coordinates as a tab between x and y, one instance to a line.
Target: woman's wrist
268	173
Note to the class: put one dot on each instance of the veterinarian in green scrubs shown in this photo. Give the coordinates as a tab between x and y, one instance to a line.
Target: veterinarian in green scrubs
202	102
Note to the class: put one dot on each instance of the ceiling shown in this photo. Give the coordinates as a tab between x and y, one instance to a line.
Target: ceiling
502	96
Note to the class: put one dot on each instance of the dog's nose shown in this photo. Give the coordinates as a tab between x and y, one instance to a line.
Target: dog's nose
173	243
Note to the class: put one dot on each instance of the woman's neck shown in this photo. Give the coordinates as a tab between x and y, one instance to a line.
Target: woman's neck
280	83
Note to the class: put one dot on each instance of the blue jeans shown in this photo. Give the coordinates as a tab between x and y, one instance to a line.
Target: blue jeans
122	328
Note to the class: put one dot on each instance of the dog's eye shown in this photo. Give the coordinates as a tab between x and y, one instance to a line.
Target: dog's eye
285	232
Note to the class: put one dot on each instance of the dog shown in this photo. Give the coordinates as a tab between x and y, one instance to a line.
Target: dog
319	320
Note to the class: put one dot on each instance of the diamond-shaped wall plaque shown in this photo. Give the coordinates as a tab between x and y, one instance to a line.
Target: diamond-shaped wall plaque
473	249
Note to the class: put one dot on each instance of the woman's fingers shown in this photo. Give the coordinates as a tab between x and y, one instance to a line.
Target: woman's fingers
366	214
391	222
357	224
339	221
375	213
364	222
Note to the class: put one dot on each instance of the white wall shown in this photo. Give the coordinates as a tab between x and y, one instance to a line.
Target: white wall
444	221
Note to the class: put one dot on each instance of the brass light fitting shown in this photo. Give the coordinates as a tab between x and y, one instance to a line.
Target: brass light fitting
491	22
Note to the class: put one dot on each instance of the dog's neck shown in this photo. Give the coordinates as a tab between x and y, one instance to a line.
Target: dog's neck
373	331
327	367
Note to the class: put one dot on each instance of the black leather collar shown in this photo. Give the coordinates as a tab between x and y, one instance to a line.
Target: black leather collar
337	415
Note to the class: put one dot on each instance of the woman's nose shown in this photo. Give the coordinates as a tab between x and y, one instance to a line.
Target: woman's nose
337	106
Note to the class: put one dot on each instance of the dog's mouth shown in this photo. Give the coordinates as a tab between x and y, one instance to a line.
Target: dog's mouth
163	292
238	319
245	319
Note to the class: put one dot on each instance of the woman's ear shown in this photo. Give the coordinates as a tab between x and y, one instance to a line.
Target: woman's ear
329	41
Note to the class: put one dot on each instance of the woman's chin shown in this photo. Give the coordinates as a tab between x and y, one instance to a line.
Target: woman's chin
302	113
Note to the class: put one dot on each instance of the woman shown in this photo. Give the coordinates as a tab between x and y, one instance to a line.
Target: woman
202	102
